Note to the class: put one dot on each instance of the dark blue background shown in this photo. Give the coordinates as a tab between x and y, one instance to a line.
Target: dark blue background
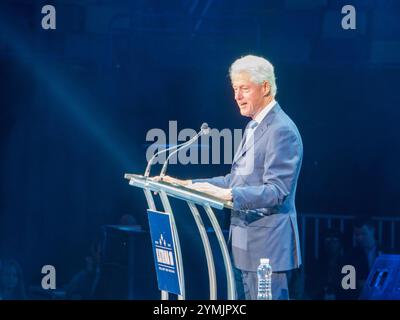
77	102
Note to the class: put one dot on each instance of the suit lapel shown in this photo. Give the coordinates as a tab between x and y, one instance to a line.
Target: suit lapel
258	133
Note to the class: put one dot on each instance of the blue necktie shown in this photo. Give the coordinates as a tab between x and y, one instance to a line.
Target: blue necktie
250	128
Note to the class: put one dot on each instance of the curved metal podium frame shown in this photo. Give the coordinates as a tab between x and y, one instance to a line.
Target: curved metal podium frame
212	279
192	198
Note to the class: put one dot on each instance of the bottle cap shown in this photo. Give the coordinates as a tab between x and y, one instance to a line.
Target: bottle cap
264	260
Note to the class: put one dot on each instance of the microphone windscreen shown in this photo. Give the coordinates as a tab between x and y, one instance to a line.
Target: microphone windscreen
205	128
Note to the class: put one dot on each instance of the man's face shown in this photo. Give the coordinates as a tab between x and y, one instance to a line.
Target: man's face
364	236
250	97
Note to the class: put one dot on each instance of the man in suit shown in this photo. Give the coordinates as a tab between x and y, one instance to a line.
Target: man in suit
262	182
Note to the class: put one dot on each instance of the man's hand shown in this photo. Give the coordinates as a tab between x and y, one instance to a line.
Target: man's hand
172	180
225	194
222	193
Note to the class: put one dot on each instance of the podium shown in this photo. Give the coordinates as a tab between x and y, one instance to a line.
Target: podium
193	199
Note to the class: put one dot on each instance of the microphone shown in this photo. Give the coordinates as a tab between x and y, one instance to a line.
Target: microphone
203	130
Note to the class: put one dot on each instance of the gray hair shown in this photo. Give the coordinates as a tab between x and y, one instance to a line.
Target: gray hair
260	70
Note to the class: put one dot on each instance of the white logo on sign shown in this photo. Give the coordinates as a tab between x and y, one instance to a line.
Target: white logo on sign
164	252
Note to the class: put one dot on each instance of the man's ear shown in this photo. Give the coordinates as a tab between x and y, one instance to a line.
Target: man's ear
266	88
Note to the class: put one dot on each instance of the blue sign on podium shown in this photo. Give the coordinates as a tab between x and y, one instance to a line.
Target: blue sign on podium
164	251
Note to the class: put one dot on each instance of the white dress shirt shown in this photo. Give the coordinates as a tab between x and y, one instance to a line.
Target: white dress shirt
253	124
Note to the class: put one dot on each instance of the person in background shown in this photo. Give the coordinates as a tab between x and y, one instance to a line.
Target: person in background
11	281
366	250
326	272
84	284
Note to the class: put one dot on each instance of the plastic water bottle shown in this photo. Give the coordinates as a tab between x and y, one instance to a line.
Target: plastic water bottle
264	273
